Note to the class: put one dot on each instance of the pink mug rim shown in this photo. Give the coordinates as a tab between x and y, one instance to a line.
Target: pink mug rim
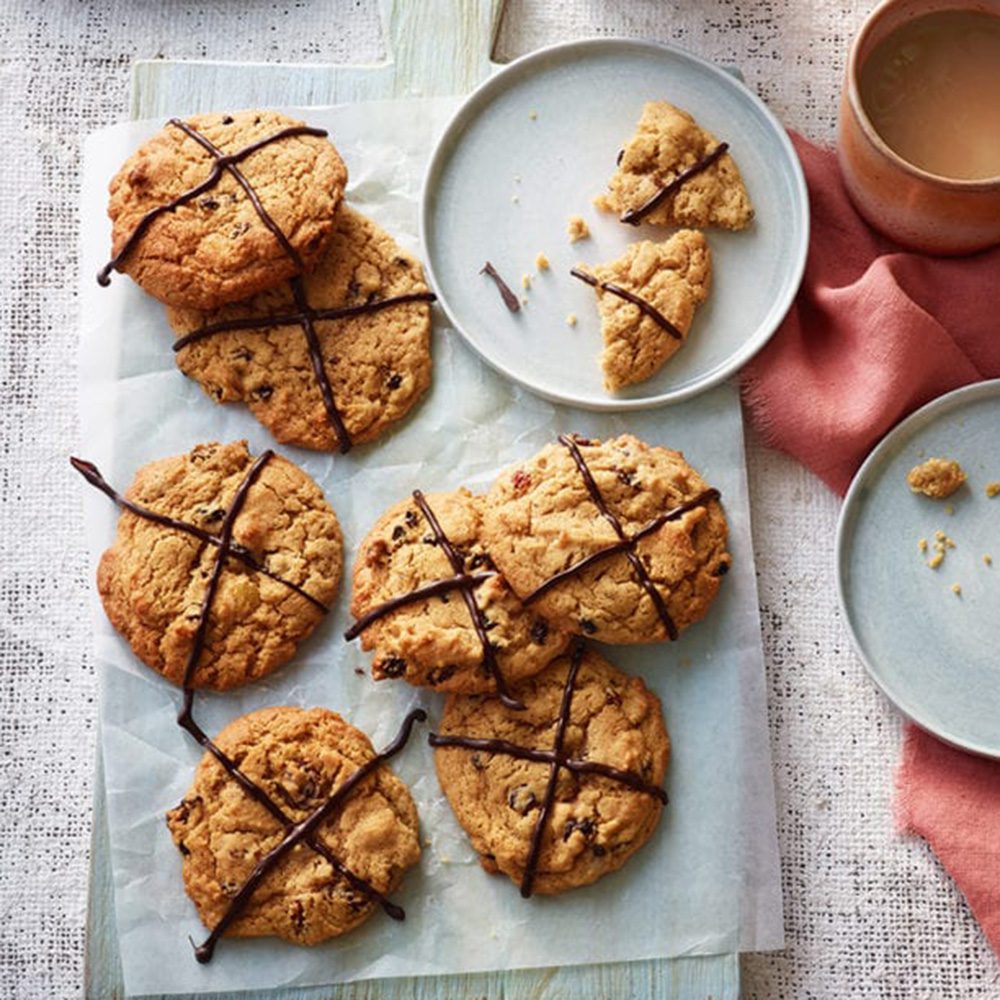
854	96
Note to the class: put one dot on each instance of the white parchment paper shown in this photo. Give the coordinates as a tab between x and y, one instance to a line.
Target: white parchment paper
708	880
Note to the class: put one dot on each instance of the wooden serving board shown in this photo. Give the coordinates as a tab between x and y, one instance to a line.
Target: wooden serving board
416	35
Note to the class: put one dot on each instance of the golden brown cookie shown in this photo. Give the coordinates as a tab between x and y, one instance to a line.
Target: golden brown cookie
673	172
282	570
230	236
608	762
376	360
647	299
618	540
298	759
434	641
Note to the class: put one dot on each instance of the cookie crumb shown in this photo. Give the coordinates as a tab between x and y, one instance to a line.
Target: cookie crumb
922	545
541	261
936	478
533	115
571	319
577	228
992	489
988	559
942	541
526	281
936	560
515	199
949	509
956	589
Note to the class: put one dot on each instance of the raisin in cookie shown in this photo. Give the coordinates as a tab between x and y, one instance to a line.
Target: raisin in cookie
222	244
672	173
433	640
647	300
616	539
298	758
283	569
376	358
609	757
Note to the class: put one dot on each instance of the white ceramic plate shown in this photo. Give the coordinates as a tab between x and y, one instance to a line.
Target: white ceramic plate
934	654
533	146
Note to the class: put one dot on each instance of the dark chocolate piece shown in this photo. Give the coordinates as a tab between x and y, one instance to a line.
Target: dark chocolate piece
646	308
635	215
223	162
625	542
556	758
510	300
464	582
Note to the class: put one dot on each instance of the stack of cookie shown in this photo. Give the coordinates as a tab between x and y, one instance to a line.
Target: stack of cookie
282	296
552	761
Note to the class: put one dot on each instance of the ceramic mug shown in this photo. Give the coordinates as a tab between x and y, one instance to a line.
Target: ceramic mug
917	209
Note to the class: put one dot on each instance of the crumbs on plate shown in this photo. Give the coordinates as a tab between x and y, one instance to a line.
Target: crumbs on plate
577	228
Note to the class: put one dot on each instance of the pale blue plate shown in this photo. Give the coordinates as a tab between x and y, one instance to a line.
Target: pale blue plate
533	146
936	655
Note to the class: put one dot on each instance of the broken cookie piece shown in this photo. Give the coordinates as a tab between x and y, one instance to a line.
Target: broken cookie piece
647	299
673	172
936	478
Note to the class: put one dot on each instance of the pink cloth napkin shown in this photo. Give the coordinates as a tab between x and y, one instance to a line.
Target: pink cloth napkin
875	332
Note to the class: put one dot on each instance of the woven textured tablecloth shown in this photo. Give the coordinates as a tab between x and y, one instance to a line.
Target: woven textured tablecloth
868	914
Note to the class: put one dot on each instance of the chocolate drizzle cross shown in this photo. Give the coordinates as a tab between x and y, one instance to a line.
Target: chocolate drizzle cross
223	163
556	758
626	543
92	474
647	308
304	831
296	832
635	215
464	582
306	316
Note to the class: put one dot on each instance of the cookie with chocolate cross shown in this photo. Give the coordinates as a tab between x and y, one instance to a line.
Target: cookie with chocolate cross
430	604
222	563
328	360
566	790
647	300
673	172
616	539
294	828
219	207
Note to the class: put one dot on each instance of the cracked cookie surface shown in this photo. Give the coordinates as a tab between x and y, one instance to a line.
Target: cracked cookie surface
432	642
596	824
674	277
378	363
667	142
299	757
217	248
153	579
540	520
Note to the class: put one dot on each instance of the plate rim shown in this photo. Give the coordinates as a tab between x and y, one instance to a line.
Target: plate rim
742	355
985	387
